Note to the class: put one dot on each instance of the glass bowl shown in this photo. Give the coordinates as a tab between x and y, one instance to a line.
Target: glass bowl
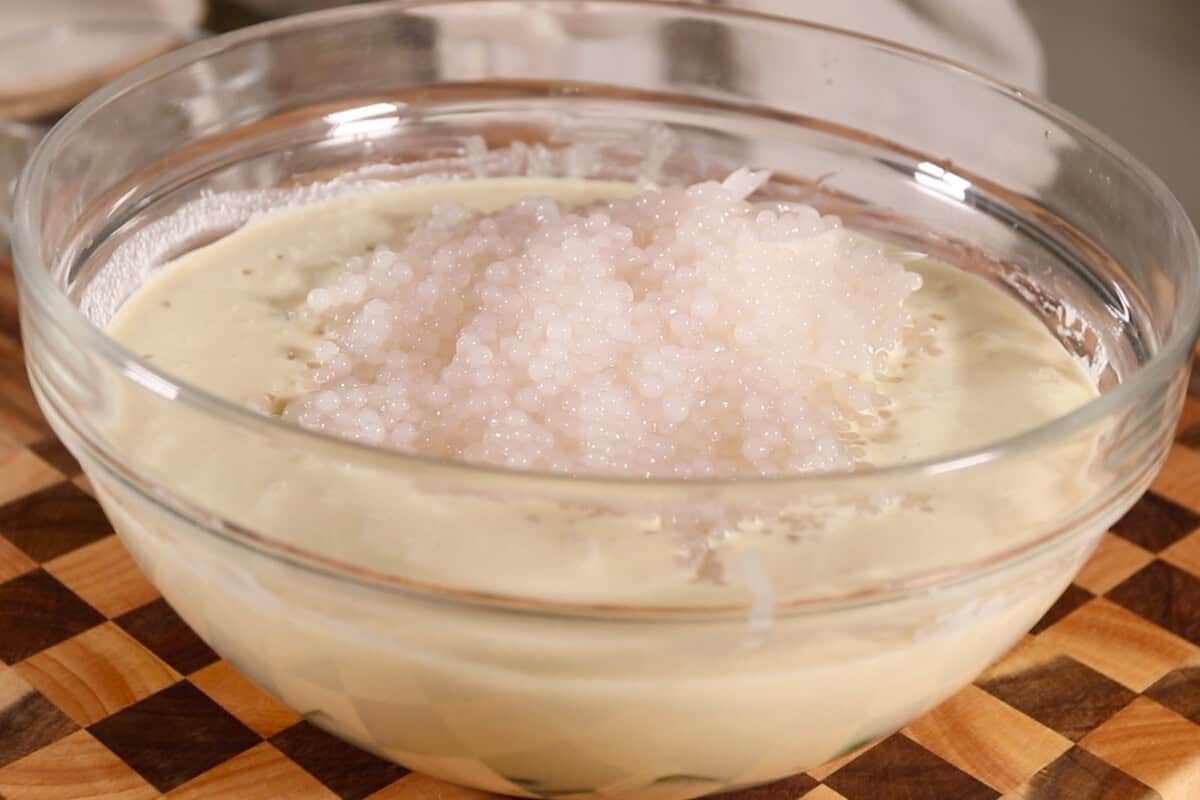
17	141
529	634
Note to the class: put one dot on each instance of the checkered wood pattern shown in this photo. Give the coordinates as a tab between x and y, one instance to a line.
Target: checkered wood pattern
106	693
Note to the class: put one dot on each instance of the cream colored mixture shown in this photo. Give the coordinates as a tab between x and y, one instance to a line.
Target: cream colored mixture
219	318
527	704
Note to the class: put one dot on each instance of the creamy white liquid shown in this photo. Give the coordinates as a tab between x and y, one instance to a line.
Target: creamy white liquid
512	702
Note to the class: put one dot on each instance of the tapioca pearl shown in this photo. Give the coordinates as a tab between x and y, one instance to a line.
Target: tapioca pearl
542	300
327	402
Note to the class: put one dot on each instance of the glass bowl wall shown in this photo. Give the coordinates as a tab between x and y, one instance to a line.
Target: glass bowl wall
512	679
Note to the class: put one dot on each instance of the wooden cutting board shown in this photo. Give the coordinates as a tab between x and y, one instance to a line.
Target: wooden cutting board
106	693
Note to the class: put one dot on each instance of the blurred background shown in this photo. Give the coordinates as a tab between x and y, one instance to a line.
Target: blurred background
1132	69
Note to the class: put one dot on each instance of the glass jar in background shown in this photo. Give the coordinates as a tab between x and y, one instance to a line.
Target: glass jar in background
17	141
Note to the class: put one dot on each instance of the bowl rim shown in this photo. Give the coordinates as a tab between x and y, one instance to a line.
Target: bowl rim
34	277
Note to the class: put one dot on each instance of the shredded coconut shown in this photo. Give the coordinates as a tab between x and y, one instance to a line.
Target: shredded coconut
684	332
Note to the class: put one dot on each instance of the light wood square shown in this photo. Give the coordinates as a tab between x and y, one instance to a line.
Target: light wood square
1185	554
261	773
78	767
988	739
823	792
12	561
12	687
23	473
422	787
1180	477
1117	643
238	695
105	575
96	673
1154	745
1115	560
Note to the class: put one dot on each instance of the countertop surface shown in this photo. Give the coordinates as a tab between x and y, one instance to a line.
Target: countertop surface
105	693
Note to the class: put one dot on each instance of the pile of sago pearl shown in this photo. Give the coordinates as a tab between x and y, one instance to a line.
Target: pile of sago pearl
683	332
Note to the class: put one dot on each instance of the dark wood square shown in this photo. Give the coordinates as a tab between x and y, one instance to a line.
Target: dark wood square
29	724
1079	774
1156	523
164	633
1074	597
1165	595
54	521
1190	437
1063	694
1179	690
36	612
349	772
18	408
787	789
175	735
52	451
900	769
10	320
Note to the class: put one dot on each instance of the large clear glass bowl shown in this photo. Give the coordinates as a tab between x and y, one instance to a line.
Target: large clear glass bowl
398	615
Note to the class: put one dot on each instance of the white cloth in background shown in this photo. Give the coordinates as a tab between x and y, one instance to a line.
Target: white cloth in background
990	36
